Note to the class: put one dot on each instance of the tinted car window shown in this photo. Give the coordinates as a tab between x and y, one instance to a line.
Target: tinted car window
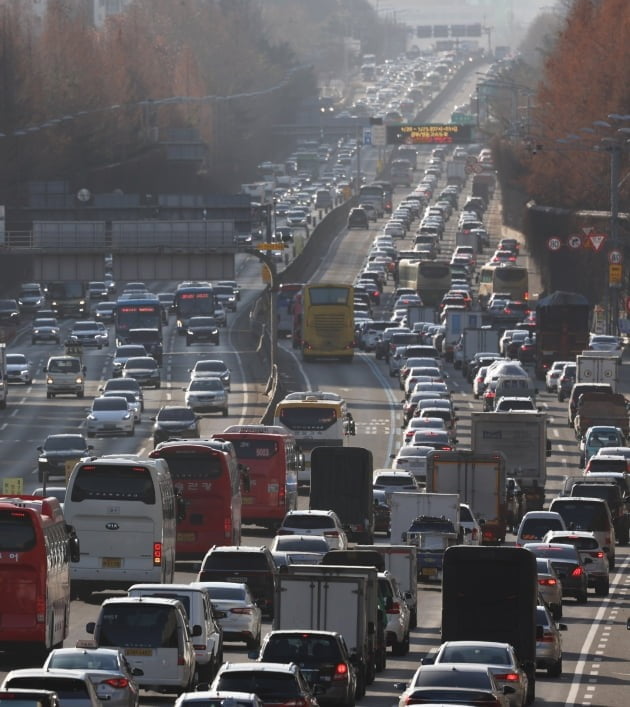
269	686
309	522
582	515
235	561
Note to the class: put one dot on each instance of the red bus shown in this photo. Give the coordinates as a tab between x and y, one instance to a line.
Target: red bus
36	547
272	459
207	476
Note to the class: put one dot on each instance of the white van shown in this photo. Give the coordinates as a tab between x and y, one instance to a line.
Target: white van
64	375
208	643
153	633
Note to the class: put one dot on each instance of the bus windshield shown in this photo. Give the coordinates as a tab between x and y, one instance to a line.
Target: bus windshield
308	418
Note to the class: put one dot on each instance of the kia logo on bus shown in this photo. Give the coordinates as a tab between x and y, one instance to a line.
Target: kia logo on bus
112	526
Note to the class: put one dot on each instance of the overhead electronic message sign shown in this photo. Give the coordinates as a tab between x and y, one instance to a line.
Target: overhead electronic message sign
431	133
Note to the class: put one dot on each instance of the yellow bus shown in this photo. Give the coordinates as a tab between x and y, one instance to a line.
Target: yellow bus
315	418
324	322
431	279
509	279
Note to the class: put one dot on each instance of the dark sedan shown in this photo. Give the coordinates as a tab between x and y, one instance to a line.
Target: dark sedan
202	329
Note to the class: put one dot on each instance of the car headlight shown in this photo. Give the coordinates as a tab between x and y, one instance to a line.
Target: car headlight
78	380
50	380
91	417
35	331
127	416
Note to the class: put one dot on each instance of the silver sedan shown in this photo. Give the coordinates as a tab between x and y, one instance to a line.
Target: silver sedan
107	668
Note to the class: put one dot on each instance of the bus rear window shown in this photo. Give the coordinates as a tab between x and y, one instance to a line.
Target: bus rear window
113	482
16	532
329	295
255	448
187	466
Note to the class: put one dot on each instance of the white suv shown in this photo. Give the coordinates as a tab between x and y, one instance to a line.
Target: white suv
324	523
398	614
593	556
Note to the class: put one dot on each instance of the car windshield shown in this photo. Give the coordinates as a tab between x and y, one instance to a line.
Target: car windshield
175	415
16	358
210	366
109	403
141	362
57	444
206	384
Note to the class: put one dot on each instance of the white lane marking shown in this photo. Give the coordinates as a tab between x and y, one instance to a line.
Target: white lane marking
580	666
393	410
307	380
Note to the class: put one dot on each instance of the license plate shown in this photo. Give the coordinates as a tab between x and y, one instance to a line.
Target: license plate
111	562
237	579
185	537
139	651
429	571
248	500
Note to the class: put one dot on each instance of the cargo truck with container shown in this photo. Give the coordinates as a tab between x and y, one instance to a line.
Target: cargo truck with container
480	481
406	506
402	562
341	481
68	298
456	173
522	438
598	367
326	602
476	340
491	594
456	323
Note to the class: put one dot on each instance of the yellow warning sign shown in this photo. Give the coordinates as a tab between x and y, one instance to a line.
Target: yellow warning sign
13	486
614	274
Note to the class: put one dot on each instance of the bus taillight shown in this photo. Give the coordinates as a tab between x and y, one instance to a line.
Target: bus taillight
227	527
157	554
40	610
282	494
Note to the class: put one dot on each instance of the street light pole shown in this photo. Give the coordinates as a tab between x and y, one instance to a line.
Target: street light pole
613	294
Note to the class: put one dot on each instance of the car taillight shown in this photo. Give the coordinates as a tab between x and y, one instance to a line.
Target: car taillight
40	609
599	555
119	683
607	540
577	572
508	677
550	582
474	534
241	610
547	638
487	534
300	702
394	609
341	671
331	534
227	527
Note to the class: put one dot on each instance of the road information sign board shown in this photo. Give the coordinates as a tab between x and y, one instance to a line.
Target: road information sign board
430	133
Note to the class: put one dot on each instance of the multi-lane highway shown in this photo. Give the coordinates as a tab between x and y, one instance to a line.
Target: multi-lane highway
595	667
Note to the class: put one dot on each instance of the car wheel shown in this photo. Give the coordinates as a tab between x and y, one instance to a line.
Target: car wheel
582	598
131	432
224	412
187	342
33	341
49	395
90	434
413	619
400	647
555	670
253	644
28	381
158	385
557	612
80	395
611	563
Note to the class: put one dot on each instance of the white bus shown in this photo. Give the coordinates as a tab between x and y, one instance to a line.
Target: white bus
124	509
316	419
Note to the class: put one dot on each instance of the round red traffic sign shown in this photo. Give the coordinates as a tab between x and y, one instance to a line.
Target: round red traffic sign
554	244
574	242
615	257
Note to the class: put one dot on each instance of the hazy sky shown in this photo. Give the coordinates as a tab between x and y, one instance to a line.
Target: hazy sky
507	18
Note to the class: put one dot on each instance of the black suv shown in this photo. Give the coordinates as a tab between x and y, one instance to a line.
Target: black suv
323	659
242	563
358	218
202	329
59	449
175	421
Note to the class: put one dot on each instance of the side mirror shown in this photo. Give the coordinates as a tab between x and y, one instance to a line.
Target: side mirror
41	450
84	370
137	671
196	630
45	370
90	627
562	627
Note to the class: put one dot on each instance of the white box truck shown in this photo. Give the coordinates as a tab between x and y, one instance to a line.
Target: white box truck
598	367
406	506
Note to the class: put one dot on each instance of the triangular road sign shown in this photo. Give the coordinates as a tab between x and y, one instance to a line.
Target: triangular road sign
597	240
